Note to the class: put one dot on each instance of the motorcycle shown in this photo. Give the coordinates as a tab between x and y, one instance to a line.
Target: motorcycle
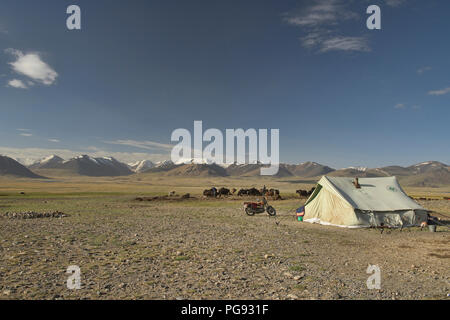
252	208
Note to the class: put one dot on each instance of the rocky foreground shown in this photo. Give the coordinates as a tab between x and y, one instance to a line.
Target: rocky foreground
128	249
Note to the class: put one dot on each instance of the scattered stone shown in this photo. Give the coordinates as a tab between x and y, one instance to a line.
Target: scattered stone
34	215
292	296
299	277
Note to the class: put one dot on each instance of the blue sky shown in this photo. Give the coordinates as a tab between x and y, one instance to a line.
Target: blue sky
341	94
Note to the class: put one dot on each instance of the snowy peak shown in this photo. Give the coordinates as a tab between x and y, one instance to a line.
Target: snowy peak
360	169
96	167
165	164
49	162
141	166
428	166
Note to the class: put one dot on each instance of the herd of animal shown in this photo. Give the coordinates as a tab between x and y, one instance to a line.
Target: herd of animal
273	193
217	193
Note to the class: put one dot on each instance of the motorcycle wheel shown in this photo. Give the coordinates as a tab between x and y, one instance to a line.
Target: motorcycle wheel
249	211
271	211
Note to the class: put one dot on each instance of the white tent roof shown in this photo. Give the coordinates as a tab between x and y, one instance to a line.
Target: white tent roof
375	194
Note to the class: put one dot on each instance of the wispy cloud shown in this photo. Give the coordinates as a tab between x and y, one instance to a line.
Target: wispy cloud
439	92
394	3
149	145
18	84
403	106
320	22
322	12
345	44
423	70
25	132
54	140
32	66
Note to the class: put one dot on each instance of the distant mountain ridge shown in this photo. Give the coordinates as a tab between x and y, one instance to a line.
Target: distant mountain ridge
85	165
95	167
11	167
424	174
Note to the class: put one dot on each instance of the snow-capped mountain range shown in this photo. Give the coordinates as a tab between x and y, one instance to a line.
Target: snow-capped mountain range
421	174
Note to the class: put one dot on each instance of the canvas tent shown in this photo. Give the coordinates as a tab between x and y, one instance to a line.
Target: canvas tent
379	201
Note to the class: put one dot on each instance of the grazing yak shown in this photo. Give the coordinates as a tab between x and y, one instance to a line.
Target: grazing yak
242	192
305	193
223	192
209	193
274	193
249	192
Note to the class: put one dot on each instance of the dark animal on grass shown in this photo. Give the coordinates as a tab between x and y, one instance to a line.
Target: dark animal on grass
305	193
209	193
233	191
223	192
242	192
254	192
302	193
274	193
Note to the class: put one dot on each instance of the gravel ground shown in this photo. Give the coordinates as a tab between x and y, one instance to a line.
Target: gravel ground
209	250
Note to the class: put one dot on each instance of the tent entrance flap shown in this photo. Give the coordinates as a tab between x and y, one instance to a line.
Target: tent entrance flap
315	193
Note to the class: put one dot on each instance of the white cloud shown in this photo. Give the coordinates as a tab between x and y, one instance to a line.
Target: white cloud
423	70
32	66
439	92
149	145
322	12
54	140
320	23
26	134
400	106
394	3
345	44
15	83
